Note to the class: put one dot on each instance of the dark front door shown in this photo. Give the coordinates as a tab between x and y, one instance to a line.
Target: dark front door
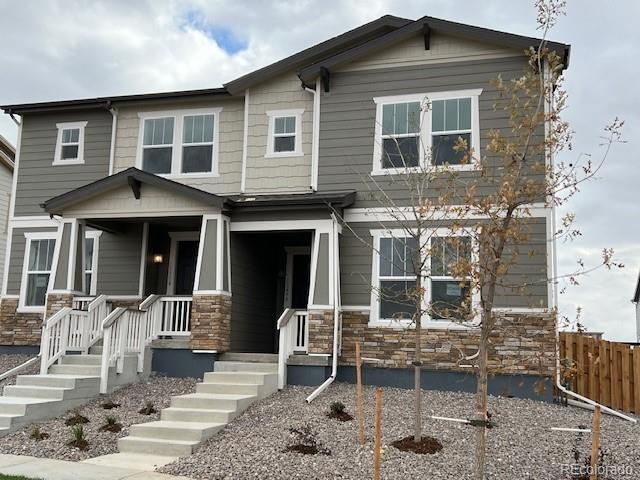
187	256
300	281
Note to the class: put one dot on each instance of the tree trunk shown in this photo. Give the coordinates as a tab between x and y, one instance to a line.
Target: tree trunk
482	398
417	363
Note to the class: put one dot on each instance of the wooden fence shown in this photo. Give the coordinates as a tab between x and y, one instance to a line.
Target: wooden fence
606	372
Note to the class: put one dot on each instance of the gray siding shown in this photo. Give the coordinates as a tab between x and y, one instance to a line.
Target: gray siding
356	262
321	291
38	180
209	257
16	259
60	282
119	262
348	117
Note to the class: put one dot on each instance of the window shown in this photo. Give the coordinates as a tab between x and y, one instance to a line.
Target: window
450	121
396	278
450	294
181	142
91	261
401	135
284	133
70	144
197	144
38	262
410	135
157	146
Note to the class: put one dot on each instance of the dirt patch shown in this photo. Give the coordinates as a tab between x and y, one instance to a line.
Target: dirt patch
306	442
110	405
426	445
111	427
341	416
79	444
77	419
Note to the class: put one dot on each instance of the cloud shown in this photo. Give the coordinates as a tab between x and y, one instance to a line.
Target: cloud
53	50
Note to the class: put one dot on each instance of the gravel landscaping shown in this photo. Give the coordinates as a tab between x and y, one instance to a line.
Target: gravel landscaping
132	398
7	362
254	446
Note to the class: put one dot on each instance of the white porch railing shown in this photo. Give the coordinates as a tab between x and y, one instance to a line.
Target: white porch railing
294	336
54	339
175	319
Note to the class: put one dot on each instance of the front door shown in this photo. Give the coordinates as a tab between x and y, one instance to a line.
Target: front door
186	258
296	294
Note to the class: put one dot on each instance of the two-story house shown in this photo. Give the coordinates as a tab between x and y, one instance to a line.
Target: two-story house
217	204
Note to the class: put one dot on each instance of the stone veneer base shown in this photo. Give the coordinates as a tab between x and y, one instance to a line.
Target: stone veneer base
211	322
18	328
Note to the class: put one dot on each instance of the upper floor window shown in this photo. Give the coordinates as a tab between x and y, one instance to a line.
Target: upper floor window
157	146
182	142
284	136
424	130
70	143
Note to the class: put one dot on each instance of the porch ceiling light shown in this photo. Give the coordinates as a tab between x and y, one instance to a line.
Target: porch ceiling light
158	258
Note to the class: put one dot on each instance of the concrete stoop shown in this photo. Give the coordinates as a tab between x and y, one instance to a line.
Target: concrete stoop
72	382
193	418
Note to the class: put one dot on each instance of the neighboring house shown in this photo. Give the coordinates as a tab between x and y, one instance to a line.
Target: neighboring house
7	157
220	202
636	300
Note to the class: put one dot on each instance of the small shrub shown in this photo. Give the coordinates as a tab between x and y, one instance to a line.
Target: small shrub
337	407
112	424
148	409
79	440
110	405
306	442
76	419
337	411
37	435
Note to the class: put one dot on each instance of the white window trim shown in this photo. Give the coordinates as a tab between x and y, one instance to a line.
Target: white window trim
425	128
95	234
29	237
176	152
79	160
427	322
272	115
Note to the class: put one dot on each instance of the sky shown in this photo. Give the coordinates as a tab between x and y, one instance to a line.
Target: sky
54	50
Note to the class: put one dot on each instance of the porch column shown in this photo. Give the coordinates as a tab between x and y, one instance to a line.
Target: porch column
68	269
322	290
211	306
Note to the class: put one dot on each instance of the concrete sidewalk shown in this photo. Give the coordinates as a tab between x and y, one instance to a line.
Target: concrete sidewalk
47	469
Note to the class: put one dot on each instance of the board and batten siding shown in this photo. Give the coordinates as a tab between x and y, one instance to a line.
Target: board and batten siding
39	180
6	181
278	174
348	118
530	267
231	131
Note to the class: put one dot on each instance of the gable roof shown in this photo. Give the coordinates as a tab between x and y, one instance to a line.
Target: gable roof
381	33
134	178
7	153
426	25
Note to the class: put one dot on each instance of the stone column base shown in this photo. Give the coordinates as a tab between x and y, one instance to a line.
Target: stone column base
320	331
211	322
57	301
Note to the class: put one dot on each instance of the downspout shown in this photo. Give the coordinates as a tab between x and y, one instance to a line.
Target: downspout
315	137
559	385
114	124
336	312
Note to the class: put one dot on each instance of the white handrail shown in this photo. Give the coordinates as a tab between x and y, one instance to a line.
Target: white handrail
293	338
98	309
53	341
19	368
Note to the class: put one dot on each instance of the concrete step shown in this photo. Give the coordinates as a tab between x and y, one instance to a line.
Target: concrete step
20	405
95	350
176	414
210	401
172	430
249	357
8	420
82	359
86	370
224	366
174	448
52	393
244	378
237	388
61	381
